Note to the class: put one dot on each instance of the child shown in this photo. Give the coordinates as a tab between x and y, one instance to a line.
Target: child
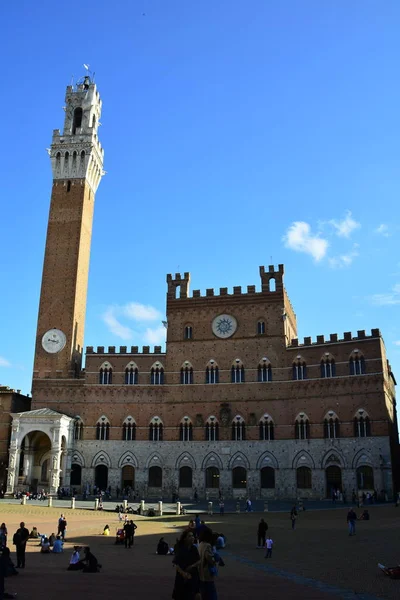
268	544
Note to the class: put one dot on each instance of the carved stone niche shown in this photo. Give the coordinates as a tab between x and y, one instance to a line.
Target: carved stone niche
199	420
225	414
252	419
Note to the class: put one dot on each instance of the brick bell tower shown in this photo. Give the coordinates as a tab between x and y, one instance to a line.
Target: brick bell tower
77	165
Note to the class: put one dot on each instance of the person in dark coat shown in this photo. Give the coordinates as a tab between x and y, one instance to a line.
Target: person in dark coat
162	547
21	536
261	533
186	561
92	564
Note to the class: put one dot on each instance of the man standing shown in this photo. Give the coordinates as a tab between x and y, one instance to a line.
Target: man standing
351	521
261	533
20	538
62	525
293	516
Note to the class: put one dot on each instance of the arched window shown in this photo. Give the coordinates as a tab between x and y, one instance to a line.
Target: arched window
266	428
212	477
212	372
365	478
304	478
267	478
103	429
362	424
328	367
237	372
129	429
188	332
357	363
78	429
155	477
131	374
212	430
185	477
156	430
302	427
239	478
261	327
157	374
264	372
238	429
186	430
77	123
331	426
299	369
186	374
105	374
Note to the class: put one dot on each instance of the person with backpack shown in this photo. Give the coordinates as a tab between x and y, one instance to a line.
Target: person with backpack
20	538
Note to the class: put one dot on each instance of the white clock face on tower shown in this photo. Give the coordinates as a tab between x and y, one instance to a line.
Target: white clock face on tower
224	326
54	341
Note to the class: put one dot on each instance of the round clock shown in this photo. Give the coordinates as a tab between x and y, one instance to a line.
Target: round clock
224	326
54	341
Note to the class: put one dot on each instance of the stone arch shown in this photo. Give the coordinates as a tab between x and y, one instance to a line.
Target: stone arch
128	458
101	458
185	460
333	458
212	460
361	458
77	457
267	459
299	461
155	460
239	460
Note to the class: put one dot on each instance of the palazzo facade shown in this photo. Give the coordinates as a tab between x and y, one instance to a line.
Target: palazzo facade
235	404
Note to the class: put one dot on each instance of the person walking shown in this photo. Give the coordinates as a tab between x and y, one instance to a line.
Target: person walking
207	566
261	533
351	521
62	526
221	507
293	516
20	538
268	545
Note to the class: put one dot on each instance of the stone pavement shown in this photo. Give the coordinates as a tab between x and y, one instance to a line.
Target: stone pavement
317	561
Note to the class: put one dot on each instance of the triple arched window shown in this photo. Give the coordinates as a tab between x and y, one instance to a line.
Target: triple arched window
302	427
186	430
212	430
266	426
131	374
238	429
157	374
328	367
331	426
237	372
212	372
264	371
362	424
186	374
357	363
129	429
299	369
78	429
105	374
156	430
103	429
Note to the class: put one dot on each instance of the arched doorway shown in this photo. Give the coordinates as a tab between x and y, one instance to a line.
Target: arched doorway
239	478
365	478
333	480
128	477
34	465
155	477
76	474
101	477
185	477
212	477
267	478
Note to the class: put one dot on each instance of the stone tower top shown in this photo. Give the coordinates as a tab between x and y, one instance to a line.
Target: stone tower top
77	152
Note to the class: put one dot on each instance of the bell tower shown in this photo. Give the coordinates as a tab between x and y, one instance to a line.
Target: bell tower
77	165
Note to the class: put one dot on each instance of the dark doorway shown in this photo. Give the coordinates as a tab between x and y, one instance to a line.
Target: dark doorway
128	477
155	477
101	477
212	477
333	480
185	477
239	478
76	474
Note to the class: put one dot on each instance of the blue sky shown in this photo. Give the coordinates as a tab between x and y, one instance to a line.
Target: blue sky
236	134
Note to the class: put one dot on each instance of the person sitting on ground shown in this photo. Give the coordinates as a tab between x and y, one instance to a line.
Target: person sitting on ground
34	533
58	545
220	542
8	564
106	530
45	546
52	539
365	515
162	547
92	565
75	563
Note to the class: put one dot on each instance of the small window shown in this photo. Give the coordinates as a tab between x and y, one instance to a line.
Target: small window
105	375
129	430
264	372
103	429
357	365
261	327
131	375
362	426
328	368
188	332
77	123
78	430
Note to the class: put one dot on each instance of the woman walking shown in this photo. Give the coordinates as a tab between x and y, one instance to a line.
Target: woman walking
207	568
186	561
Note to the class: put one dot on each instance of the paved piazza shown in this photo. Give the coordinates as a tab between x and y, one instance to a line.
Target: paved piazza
316	561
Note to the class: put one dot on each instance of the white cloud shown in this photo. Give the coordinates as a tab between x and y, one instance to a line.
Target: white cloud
344	260
300	238
115	326
141	312
383	230
346	226
389	299
155	336
397	343
4	362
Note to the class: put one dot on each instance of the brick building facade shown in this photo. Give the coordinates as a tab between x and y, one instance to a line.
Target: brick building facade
235	405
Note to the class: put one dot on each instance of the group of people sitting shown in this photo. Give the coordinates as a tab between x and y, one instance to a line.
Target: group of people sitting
54	543
88	564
